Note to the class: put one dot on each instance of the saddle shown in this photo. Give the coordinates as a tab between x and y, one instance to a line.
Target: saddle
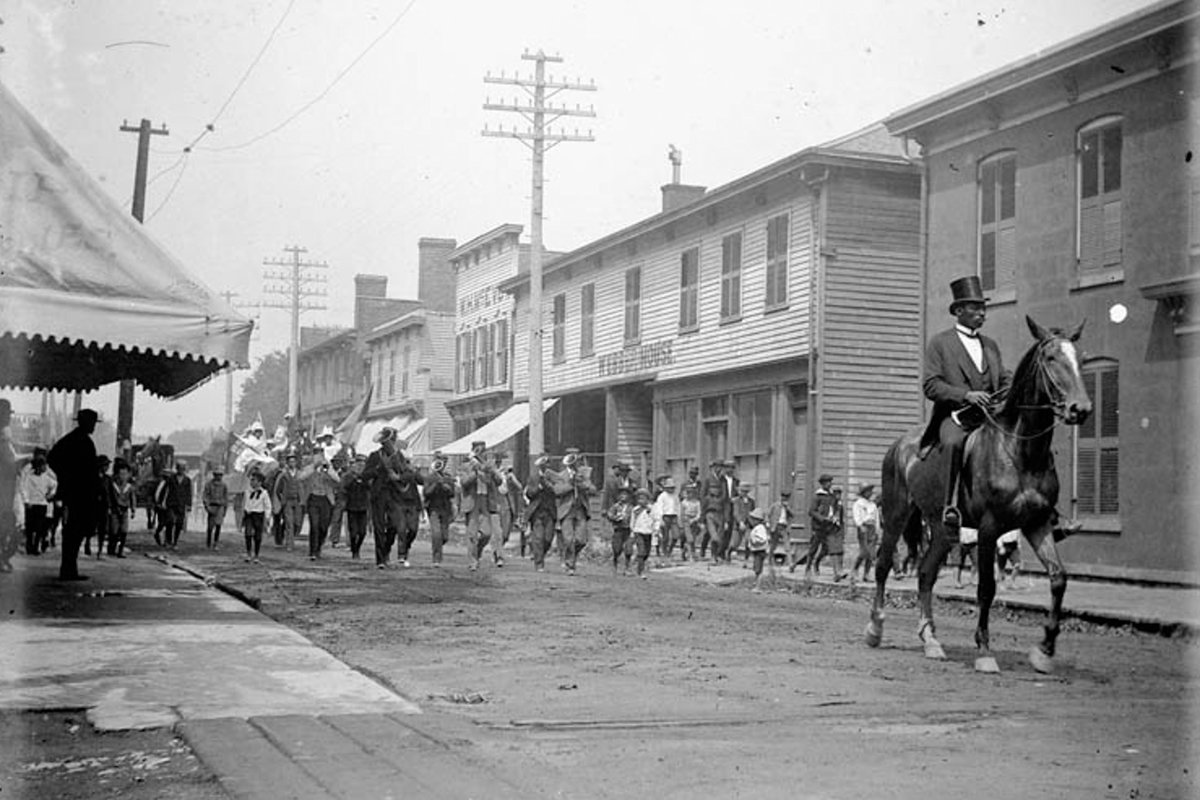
968	418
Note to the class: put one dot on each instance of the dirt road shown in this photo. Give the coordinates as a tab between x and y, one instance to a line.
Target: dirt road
610	686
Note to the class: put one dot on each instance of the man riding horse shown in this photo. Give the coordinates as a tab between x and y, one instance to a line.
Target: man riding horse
963	375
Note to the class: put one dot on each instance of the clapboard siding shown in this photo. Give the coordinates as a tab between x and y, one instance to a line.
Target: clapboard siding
632	425
759	336
478	301
438	359
871	338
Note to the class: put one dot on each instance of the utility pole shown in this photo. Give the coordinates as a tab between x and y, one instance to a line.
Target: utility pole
296	277
538	138
125	395
228	295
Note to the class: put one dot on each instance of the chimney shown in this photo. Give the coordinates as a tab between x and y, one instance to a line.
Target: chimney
367	287
435	281
675	194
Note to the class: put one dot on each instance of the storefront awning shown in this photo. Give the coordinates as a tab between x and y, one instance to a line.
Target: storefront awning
86	296
511	421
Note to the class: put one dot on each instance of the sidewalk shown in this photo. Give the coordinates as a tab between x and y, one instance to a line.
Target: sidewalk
1157	609
141	645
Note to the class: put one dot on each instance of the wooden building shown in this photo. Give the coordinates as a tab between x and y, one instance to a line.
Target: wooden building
1067	182
773	321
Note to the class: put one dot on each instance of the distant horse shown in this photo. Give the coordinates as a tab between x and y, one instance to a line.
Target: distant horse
1008	482
150	461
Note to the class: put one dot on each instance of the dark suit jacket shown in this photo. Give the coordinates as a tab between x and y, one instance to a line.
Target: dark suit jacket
476	475
714	494
950	374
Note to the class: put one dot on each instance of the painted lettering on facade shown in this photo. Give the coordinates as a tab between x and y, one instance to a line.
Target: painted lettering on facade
638	358
479	299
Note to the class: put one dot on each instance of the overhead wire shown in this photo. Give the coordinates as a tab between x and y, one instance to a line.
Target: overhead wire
170	191
336	80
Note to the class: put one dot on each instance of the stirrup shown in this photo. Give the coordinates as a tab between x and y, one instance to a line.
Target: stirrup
951	517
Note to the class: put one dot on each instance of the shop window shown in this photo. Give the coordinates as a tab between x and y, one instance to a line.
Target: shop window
731	277
559	329
587	320
1098	443
1099	195
752	415
633	305
689	289
998	221
683	422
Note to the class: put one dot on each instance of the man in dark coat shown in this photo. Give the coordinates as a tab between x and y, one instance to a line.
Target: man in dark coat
439	504
541	511
715	502
395	498
73	459
963	372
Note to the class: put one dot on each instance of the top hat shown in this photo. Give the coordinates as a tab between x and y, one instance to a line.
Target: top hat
966	290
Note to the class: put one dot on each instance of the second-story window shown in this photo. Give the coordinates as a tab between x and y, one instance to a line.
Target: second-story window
587	320
405	365
1099	211
689	289
777	261
483	356
391	374
633	304
559	325
500	337
731	276
998	221
463	348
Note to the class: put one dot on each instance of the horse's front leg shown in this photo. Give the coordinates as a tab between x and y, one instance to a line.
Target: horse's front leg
935	555
1041	657
985	593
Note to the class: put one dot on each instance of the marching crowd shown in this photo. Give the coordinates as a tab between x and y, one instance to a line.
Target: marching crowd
327	486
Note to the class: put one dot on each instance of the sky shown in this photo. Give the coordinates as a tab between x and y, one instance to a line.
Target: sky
354	129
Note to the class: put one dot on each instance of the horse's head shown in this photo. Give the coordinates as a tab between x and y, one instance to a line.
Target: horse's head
1057	365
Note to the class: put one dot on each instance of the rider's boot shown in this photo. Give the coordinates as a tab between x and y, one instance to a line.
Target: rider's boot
951	517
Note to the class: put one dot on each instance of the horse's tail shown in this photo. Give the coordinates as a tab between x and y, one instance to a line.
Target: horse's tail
899	513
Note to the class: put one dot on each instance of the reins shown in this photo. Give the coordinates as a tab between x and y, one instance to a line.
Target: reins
1046	385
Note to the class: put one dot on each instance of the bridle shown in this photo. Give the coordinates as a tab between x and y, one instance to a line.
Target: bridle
1046	385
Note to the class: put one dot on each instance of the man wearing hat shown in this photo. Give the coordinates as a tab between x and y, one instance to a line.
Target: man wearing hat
541	511
439	504
574	489
73	460
822	515
396	496
357	490
963	371
865	513
715	502
215	499
617	481
480	482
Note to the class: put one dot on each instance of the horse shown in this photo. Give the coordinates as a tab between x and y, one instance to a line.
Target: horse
1008	481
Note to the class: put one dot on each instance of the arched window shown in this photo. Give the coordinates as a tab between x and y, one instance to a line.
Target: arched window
1098	178
1097	441
998	220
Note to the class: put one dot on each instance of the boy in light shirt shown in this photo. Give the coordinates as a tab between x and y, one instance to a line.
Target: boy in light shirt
666	512
642	524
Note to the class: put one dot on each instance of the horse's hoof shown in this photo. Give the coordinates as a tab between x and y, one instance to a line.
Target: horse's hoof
1040	661
987	664
874	634
933	650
